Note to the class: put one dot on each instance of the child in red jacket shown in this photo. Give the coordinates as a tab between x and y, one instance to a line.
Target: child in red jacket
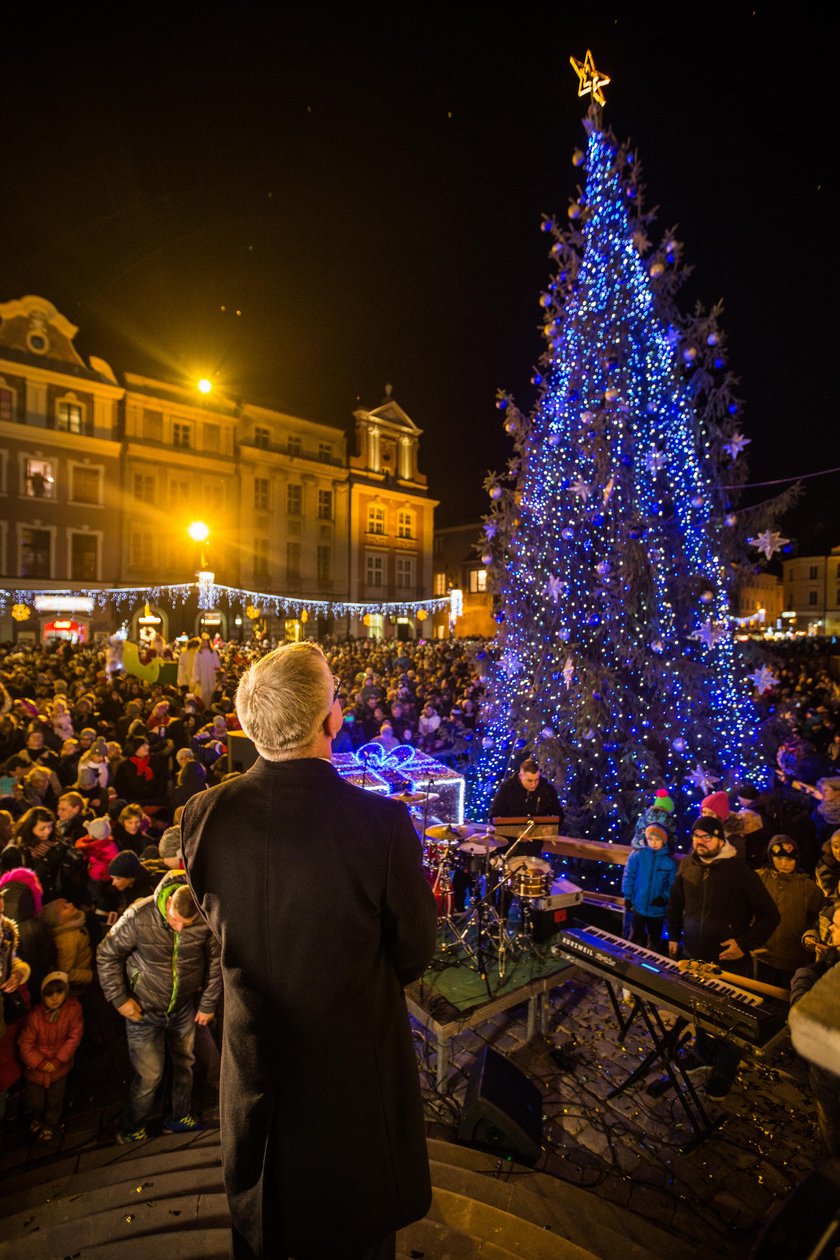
100	849
47	1046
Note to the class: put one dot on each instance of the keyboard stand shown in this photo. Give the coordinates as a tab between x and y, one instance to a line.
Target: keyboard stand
666	1045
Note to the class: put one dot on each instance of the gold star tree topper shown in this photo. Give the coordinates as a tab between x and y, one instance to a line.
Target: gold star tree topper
590	79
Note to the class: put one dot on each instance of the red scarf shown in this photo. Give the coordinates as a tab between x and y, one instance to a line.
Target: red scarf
143	768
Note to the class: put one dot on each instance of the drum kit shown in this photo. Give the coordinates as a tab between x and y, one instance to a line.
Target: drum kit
476	886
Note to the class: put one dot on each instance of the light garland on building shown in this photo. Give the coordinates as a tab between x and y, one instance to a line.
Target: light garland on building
211	594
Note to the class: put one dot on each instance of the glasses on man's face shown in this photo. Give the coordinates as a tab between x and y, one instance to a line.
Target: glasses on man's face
337	684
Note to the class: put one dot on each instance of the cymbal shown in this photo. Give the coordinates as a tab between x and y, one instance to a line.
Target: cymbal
443	831
480	847
414	798
470	831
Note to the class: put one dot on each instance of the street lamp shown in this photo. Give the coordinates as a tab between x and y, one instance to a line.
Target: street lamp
199	532
205	386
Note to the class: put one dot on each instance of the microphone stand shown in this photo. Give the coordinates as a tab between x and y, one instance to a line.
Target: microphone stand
503	936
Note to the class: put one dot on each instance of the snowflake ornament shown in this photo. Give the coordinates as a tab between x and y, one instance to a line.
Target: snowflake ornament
655	460
568	672
769	542
556	588
511	664
490	530
709	634
702	779
581	488
736	444
763	680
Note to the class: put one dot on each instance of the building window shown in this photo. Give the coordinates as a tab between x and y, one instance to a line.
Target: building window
477	581
39	480
324	562
211	437
70	417
181	434
812	598
141	553
179	493
261	494
440	584
85	484
405	525
143	487
437	546
84	557
325	505
262	438
35	553
324	452
375	519
375	570
294	447
7	403
405	571
152	426
812	573
260	557
292	561
294	500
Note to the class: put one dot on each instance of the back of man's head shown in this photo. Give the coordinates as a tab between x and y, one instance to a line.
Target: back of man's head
284	699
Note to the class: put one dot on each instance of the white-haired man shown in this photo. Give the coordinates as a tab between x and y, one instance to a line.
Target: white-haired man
316	892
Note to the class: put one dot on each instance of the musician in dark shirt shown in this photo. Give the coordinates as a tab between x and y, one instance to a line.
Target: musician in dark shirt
527	795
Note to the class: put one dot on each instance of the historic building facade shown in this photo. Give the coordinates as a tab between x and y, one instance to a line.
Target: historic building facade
458	567
101	478
812	592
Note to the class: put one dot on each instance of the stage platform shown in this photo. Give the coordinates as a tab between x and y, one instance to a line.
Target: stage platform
452	996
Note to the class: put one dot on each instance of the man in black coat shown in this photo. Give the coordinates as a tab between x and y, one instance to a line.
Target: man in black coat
316	892
722	911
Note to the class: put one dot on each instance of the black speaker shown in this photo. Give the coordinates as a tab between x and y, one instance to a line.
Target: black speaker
241	753
806	1225
502	1110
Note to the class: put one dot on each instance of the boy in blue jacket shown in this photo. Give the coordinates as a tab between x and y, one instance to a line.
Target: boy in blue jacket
646	886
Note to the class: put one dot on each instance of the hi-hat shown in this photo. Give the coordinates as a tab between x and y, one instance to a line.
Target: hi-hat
471	831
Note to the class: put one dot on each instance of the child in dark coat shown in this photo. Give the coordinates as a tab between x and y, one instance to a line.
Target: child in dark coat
646	886
47	1047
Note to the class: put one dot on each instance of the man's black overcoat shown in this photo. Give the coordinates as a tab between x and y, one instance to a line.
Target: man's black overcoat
316	892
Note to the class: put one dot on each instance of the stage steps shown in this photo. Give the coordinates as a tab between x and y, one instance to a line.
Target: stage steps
127	1198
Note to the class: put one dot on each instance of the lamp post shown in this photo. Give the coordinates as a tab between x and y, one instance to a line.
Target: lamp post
200	533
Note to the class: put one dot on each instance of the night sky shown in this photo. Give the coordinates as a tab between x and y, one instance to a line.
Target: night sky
365	186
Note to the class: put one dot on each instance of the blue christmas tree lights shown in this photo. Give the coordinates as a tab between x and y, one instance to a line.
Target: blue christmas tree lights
606	539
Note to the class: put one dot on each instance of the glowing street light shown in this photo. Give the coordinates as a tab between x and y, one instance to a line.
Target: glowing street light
199	532
205	386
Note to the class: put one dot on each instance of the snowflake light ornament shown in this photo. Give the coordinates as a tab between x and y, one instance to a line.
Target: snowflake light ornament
556	588
655	460
769	541
581	488
702	779
763	680
736	444
709	634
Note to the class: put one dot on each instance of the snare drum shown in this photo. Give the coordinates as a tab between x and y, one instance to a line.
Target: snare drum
529	877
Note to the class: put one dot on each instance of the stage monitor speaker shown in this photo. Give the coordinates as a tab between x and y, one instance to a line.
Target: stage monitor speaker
241	753
806	1226
502	1110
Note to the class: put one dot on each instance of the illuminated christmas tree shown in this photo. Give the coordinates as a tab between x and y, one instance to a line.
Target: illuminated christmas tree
612	536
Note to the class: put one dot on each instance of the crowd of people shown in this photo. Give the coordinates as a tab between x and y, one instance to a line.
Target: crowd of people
97	765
